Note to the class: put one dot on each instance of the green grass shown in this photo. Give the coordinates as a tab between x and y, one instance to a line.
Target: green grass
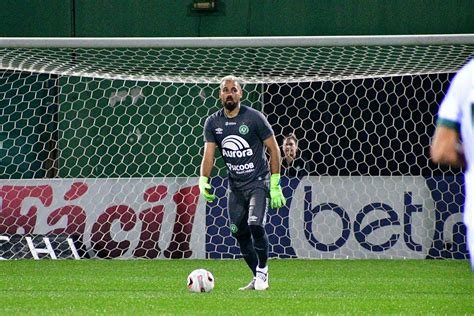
297	287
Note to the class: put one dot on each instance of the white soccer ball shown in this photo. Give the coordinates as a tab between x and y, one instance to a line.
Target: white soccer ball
200	281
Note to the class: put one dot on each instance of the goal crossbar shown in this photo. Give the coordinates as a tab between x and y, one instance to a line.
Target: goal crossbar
274	41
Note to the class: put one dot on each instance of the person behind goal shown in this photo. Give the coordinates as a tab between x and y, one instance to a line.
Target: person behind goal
456	122
241	134
293	164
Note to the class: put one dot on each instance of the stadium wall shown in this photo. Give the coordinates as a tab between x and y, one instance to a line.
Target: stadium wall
157	18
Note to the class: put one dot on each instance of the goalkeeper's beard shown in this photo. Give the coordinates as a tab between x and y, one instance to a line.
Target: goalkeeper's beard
230	105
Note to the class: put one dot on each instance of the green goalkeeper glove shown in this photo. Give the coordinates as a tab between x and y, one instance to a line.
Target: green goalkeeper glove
277	199
204	187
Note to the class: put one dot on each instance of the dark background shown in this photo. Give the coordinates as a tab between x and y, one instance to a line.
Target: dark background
380	126
165	18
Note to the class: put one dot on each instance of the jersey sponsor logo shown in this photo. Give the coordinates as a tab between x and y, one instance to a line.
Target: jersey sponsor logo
234	146
230	123
239	169
219	130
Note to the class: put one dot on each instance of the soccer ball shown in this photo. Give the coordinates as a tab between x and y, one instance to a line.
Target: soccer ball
200	281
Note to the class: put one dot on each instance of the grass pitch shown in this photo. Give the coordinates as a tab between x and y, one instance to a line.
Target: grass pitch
296	287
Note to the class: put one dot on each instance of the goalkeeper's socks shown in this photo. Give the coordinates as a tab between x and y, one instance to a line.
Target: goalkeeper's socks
260	243
248	251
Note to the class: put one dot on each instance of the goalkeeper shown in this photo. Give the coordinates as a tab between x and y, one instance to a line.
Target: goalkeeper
241	134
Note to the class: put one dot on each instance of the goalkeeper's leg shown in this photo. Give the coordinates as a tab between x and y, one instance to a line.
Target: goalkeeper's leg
247	249
237	206
249	255
257	219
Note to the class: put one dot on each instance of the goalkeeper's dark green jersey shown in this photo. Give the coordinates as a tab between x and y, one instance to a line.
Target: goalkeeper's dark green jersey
240	141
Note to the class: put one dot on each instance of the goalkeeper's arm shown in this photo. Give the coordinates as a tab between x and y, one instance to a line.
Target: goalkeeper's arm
275	157
206	169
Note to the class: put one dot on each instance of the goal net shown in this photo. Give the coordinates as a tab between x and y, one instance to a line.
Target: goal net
101	142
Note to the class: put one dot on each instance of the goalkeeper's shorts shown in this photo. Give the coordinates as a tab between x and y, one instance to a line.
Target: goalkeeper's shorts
246	208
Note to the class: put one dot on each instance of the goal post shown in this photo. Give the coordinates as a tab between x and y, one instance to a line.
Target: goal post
101	140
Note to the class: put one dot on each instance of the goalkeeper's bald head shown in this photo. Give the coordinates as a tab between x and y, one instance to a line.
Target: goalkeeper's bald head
230	78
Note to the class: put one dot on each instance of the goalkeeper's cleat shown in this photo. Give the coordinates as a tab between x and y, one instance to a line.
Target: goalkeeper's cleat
261	279
249	287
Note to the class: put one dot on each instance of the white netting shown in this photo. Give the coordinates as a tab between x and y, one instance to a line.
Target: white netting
103	145
313	60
